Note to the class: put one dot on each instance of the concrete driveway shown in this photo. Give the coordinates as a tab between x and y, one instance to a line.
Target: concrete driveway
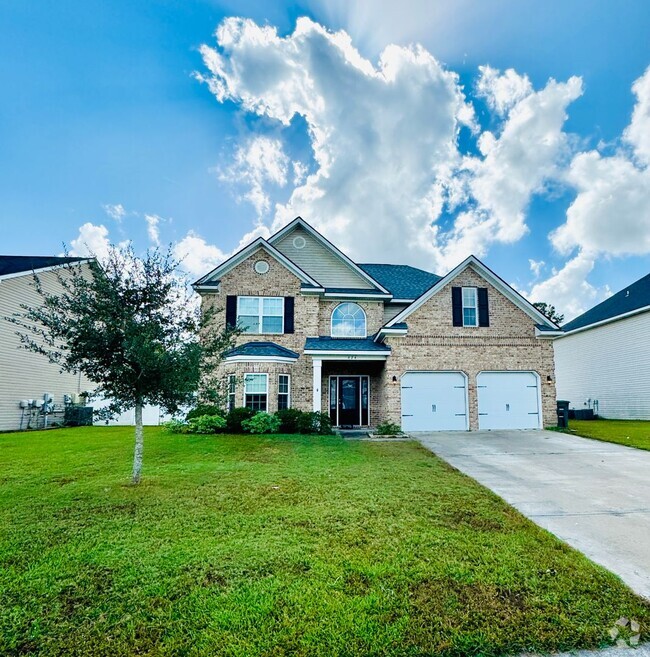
591	494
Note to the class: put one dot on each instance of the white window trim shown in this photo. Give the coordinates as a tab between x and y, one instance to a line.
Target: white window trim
288	393
232	390
474	307
260	314
365	322
266	378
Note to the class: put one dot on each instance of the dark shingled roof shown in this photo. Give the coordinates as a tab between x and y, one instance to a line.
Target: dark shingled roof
17	264
261	349
403	281
631	298
325	343
354	290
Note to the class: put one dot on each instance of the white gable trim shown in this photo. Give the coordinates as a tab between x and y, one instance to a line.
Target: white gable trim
299	221
489	276
240	256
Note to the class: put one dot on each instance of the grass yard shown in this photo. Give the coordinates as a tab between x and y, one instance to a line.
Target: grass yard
633	433
290	545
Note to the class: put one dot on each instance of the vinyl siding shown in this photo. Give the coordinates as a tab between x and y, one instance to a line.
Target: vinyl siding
23	374
319	262
610	363
392	310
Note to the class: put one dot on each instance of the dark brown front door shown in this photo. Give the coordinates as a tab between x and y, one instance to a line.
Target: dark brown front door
349	398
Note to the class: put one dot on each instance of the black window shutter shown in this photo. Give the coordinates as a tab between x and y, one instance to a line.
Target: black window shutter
457	306
483	310
231	311
288	314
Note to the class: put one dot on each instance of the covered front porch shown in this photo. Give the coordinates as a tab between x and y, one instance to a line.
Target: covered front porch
347	380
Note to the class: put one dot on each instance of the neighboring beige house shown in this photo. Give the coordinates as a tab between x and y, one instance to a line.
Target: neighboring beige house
25	375
367	343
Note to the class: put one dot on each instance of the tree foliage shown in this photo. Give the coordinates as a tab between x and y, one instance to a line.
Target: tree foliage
131	327
549	311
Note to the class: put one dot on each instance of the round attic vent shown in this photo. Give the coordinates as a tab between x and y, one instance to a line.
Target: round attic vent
299	242
261	266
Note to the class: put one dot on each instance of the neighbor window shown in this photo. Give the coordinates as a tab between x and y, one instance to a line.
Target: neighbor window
260	314
284	384
470	311
348	321
232	388
256	391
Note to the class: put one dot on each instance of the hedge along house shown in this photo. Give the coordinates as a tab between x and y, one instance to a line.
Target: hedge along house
368	343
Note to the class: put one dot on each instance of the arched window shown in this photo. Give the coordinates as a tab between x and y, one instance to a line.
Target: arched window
348	321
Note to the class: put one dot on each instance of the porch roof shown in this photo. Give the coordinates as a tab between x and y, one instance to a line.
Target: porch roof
325	343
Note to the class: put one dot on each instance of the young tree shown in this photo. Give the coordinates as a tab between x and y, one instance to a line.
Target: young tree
550	312
130	326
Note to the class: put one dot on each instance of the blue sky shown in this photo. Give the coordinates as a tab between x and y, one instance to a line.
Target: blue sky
100	108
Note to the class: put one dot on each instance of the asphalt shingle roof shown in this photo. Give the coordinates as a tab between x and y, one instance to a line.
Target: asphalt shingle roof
403	281
326	343
17	264
631	298
261	349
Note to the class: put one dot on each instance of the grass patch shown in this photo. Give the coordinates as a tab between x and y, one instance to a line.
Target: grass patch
278	545
633	433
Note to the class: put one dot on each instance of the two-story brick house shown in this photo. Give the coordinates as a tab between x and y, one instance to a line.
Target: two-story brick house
374	342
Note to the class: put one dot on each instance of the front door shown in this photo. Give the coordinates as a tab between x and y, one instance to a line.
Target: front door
349	406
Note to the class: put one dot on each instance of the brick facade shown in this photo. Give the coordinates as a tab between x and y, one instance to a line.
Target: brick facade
432	342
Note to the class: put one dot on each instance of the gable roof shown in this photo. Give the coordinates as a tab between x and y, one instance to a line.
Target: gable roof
13	265
635	297
241	255
403	281
300	222
492	278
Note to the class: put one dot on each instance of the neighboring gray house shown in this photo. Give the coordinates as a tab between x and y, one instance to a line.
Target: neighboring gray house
602	360
25	375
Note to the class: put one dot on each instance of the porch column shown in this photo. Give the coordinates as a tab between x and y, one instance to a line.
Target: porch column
317	365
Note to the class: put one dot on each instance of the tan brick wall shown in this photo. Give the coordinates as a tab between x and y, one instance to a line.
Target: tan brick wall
433	343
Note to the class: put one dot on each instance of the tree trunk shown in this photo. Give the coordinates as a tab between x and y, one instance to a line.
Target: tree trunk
139	443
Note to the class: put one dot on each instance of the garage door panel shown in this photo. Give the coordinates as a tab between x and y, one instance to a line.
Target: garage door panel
508	400
434	401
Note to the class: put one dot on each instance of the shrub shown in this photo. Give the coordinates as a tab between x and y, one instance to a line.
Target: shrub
261	423
235	418
176	426
289	418
203	409
319	423
207	424
388	429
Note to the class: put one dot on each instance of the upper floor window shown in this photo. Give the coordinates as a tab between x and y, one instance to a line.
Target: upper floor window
470	307
261	314
348	321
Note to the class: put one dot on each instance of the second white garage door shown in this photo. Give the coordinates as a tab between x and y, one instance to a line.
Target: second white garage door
508	400
434	401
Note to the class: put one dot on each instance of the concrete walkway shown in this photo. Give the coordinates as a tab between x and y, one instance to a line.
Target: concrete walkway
591	494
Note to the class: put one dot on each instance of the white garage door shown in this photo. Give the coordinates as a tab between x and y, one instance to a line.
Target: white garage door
434	401
508	400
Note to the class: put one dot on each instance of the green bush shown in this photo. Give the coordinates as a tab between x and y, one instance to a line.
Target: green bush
207	424
176	426
319	423
261	423
236	417
204	409
388	429
289	418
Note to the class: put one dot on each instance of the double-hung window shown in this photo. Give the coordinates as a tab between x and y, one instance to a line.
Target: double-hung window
284	391
261	314
470	307
256	387
232	389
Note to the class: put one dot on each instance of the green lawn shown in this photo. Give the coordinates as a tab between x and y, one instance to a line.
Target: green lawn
634	433
276	546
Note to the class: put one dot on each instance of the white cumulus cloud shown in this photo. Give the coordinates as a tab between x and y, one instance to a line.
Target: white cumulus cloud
115	212
92	240
153	230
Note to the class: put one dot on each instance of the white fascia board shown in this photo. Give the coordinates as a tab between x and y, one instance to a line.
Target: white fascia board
609	320
259	359
240	256
207	288
345	355
42	270
489	276
299	221
549	335
393	300
312	290
356	295
389	331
